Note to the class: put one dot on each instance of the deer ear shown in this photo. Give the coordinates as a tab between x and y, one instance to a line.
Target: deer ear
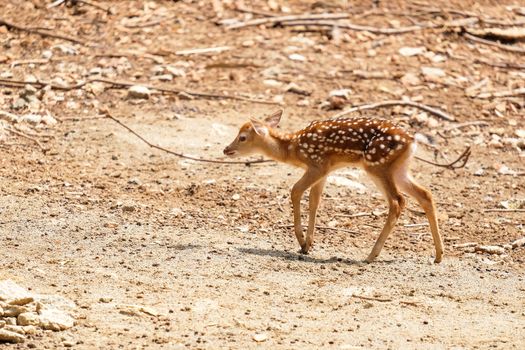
259	127
274	119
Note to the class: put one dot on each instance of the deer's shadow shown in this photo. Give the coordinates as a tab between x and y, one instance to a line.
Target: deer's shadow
292	256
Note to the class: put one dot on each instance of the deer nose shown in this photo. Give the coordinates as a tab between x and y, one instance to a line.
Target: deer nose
228	151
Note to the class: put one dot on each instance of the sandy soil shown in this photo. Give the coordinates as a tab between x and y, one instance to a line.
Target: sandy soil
208	249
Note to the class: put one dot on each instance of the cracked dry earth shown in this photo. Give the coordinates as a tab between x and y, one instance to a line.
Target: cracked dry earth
164	253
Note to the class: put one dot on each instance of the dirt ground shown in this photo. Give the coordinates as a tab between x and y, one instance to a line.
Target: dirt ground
207	249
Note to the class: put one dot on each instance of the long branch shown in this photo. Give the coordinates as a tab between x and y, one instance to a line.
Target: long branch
43	33
107	114
388	103
504	47
177	91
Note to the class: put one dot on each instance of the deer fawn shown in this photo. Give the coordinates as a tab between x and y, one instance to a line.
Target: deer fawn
380	147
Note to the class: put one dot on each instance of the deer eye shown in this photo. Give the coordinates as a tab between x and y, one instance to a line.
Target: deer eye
242	138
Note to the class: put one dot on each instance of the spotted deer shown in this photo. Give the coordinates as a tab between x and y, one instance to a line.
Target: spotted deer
382	148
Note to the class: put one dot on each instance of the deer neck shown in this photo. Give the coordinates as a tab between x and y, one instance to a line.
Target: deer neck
277	146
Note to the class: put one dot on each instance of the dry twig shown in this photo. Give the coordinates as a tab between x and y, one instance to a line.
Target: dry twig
288	18
504	65
202	50
177	91
505	93
496	210
107	114
150	23
463	125
21	134
364	297
460	162
358	27
388	103
493	43
44	33
357	215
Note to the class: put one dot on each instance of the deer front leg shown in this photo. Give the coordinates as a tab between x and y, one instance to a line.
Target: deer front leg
314	200
310	177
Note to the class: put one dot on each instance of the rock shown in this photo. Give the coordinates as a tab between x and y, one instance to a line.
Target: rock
514	203
479	172
260	337
48	119
139	92
345	93
28	319
128	208
16	329
411	51
272	83
297	57
47	54
21	300
31	118
30	79
176	72
336	102
432	72
137	310
55	320
14	310
6	74
10	320
10	337
520	133
54	301
29	330
520	242
410	79
236	197
490	249
278	99
296	89
19	103
303	103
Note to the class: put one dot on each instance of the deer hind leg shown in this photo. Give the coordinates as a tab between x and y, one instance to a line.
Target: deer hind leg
424	198
315	198
310	178
396	203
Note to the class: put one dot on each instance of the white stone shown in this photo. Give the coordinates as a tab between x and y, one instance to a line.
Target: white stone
297	57
260	337
139	92
9	290
433	72
345	93
175	71
55	320
411	51
272	83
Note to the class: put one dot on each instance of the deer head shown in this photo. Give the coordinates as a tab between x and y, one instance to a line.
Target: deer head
252	134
